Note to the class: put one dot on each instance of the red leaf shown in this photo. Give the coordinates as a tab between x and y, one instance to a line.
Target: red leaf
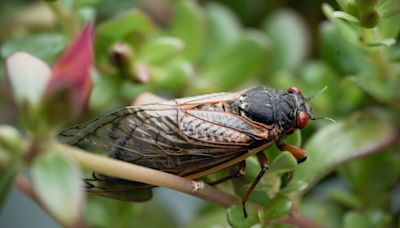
72	71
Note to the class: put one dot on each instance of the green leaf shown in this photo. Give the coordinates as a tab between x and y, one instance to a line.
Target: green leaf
339	53
295	185
351	8
345	16
106	90
11	150
389	26
252	167
120	28
379	217
152	214
342	3
101	212
7	180
278	207
28	76
67	4
290	39
362	134
350	97
314	76
43	46
388	8
236	217
211	218
188	25
362	175
123	25
385	43
129	91
347	30
381	90
345	198
223	27
98	211
284	162
328	9
366	5
322	211
161	50
10	141
341	96
175	76
57	183
238	62
353	219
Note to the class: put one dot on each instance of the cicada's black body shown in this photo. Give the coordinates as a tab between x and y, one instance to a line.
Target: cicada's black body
189	136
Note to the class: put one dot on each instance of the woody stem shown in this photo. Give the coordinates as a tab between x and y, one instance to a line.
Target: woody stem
132	172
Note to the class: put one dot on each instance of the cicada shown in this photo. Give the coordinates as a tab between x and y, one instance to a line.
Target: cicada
194	136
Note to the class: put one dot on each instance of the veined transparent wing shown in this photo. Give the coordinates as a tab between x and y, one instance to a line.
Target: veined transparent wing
183	137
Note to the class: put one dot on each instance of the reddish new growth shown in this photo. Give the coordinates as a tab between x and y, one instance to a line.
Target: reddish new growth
72	71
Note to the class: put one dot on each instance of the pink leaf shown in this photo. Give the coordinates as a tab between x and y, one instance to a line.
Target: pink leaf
72	71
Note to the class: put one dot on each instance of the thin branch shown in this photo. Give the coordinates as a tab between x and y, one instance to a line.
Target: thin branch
132	172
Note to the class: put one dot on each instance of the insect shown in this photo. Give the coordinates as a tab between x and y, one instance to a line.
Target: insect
192	137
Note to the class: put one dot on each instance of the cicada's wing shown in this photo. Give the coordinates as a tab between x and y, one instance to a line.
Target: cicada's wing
117	188
182	137
207	99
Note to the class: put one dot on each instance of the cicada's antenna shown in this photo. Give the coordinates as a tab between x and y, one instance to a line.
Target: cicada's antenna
317	94
324	118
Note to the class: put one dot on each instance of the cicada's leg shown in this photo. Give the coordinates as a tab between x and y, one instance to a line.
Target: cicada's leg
297	152
90	181
237	173
98	180
264	166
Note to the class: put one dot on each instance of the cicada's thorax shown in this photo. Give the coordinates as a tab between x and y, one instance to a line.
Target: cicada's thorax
283	111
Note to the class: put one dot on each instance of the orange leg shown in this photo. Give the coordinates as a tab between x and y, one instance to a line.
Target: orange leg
297	152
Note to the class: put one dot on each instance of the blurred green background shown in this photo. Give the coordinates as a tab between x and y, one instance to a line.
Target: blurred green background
180	48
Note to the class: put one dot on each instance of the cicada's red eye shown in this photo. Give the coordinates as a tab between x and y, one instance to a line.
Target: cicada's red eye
302	120
294	89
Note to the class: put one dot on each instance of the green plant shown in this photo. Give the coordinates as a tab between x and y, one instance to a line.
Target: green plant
351	177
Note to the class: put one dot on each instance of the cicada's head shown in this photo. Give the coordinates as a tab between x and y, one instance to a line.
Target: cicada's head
285	110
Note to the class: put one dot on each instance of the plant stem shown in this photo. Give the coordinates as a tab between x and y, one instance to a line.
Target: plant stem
377	55
132	172
67	19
